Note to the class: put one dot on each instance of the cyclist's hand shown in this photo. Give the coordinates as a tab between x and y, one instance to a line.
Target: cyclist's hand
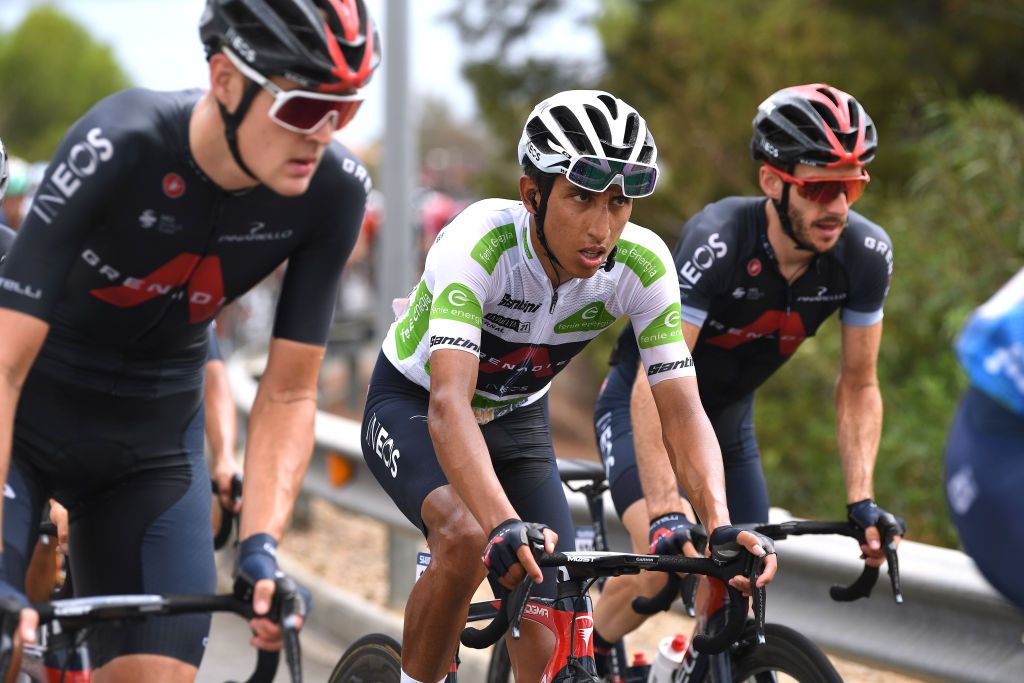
508	556
255	578
874	522
225	470
726	541
59	517
670	534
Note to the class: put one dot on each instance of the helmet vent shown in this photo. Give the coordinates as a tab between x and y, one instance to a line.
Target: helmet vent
613	106
572	129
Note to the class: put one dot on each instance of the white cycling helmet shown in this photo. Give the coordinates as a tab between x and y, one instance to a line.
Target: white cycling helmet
595	124
4	173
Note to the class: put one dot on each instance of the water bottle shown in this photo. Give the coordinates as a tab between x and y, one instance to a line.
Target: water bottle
670	655
638	671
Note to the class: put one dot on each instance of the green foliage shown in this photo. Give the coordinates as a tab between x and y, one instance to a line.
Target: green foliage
52	71
941	79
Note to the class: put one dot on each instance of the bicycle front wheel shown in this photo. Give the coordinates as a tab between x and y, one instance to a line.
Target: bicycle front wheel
786	657
375	658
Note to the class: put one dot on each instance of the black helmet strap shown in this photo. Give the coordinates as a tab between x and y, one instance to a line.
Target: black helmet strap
233	120
545	183
782	209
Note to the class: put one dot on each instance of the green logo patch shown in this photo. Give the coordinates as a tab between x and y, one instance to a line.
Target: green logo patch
588	319
491	246
641	260
665	329
457	302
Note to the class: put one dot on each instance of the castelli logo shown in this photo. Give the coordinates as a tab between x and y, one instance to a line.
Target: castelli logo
174	185
754	267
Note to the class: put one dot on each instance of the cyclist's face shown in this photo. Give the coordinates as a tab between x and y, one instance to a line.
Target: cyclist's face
582	227
820	225
284	160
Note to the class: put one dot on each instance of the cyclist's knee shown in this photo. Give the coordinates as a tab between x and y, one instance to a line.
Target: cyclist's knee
456	544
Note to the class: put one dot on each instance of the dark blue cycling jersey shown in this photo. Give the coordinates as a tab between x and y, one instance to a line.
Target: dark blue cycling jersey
752	319
129	250
6	240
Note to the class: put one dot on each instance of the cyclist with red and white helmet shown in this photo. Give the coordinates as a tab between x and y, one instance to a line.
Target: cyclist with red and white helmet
757	276
158	209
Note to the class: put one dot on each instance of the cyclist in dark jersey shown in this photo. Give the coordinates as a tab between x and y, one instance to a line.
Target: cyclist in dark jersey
157	210
757	276
510	292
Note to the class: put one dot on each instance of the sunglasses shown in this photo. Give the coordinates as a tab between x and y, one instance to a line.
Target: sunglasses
301	111
825	190
597	174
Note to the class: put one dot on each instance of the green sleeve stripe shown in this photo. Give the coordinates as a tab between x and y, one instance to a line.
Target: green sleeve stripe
413	326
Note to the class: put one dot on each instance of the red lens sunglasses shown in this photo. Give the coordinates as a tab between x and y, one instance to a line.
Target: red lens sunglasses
825	190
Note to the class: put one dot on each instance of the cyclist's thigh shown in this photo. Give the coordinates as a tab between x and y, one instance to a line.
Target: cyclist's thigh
524	460
396	443
745	486
984	480
613	428
131	472
23	503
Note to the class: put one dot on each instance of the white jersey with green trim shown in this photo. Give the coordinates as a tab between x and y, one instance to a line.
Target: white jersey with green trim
484	291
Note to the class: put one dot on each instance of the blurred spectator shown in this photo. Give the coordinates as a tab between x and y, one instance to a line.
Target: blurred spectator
436	210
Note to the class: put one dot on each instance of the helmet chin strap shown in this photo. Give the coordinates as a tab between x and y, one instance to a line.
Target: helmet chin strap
539	213
233	120
782	209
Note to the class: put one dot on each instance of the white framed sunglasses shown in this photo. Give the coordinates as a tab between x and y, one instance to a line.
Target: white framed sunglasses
301	111
598	173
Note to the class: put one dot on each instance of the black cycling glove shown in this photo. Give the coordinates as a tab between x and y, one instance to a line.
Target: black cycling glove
725	546
669	533
505	539
866	513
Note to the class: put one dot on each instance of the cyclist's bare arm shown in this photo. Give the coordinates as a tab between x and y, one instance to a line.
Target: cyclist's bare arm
859	418
279	444
22	338
460	447
656	469
221	430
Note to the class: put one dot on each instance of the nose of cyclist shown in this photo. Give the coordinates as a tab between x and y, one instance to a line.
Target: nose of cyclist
323	134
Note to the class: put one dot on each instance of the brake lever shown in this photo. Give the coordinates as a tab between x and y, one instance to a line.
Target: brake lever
519	598
688	593
893	561
760	596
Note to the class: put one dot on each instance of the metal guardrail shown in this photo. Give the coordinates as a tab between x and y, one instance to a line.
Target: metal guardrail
953	626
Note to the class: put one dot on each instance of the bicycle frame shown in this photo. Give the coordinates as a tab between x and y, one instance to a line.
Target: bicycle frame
569	618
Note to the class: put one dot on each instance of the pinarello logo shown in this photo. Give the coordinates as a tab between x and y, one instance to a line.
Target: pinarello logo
754	267
174	185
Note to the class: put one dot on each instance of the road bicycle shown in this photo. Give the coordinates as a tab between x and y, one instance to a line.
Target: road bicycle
65	624
569	616
785	652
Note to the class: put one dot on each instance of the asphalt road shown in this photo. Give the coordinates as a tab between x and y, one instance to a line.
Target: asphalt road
229	657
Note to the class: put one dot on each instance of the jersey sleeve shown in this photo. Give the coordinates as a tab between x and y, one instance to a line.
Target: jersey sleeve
870	266
80	182
309	292
654	311
703	264
462	271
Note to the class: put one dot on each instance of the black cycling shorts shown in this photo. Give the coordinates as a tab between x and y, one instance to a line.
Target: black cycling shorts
398	450
132	474
745	487
984	480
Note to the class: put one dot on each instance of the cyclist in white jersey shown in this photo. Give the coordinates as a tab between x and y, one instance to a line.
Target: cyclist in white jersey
456	427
